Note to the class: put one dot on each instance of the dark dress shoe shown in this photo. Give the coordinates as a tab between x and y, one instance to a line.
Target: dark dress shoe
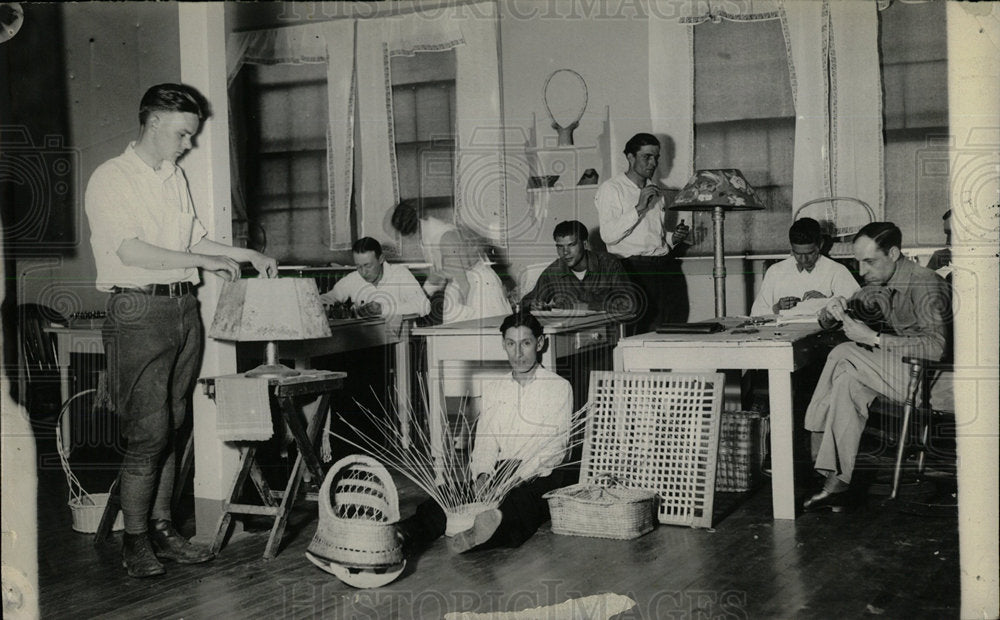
168	544
827	500
138	558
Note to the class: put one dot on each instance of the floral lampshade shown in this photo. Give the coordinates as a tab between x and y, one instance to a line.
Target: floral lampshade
269	310
726	188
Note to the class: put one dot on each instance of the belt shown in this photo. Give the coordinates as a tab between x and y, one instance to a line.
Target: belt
174	289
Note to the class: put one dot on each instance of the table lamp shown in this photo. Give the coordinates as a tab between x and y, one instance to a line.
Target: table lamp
717	191
268	310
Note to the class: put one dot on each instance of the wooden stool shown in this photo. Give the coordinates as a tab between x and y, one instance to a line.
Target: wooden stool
285	391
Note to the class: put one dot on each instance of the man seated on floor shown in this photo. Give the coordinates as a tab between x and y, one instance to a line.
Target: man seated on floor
903	310
525	425
378	288
805	275
581	277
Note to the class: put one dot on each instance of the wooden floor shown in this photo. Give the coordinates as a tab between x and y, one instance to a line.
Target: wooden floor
875	561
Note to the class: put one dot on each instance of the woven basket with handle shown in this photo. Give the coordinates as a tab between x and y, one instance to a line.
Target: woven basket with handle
358	512
604	509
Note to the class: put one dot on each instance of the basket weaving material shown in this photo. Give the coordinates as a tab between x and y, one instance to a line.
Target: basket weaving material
657	431
612	511
358	512
742	448
86	508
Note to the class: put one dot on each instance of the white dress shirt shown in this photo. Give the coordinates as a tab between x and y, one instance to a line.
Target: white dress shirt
486	296
530	423
783	279
398	292
615	202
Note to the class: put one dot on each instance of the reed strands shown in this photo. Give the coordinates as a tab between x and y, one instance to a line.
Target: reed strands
447	480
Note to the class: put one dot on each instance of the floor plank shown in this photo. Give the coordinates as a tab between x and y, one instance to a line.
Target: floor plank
873	561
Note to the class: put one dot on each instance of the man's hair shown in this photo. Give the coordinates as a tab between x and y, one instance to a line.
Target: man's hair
571	227
522	319
405	218
886	235
172	98
638	141
367	244
805	231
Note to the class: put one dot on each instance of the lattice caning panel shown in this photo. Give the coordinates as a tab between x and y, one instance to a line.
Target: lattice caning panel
657	431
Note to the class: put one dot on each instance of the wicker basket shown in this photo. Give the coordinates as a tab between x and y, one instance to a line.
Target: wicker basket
605	509
742	448
86	508
358	512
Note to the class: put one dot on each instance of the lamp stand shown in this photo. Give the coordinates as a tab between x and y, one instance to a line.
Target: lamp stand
271	368
719	268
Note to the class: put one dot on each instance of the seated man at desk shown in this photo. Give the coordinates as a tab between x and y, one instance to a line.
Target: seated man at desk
903	310
378	288
523	431
581	277
803	276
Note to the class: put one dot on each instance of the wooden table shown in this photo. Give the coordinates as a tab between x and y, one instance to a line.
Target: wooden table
346	335
285	390
480	340
779	350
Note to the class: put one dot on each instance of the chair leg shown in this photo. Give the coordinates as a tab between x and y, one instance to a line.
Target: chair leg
912	391
187	464
111	510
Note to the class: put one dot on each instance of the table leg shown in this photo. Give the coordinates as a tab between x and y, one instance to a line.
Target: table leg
305	438
287	500
402	351
436	413
782	444
246	460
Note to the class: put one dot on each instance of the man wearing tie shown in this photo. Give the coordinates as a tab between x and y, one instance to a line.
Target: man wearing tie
631	211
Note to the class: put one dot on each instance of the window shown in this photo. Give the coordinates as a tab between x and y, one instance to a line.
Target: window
423	108
285	159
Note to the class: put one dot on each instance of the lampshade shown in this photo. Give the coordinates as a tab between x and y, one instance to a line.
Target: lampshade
708	189
270	309
717	191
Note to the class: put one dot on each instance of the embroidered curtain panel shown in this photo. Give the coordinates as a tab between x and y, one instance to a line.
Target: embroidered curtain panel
364	47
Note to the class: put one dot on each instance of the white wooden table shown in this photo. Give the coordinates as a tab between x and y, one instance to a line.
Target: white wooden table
779	350
480	340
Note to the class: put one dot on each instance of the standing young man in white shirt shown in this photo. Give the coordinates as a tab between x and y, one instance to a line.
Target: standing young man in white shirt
804	275
525	424
148	247
631	211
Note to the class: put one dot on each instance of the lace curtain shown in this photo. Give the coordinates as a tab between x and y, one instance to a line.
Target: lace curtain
363	47
832	49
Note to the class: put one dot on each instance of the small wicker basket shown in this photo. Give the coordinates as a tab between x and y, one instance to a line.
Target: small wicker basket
605	509
358	512
86	508
742	448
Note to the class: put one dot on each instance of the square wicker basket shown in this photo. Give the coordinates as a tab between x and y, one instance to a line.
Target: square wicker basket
597	511
742	448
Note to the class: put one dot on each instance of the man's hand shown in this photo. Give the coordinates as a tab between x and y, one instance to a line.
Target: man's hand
835	310
372	308
222	266
647	196
785	303
481	481
266	266
813	295
859	332
681	234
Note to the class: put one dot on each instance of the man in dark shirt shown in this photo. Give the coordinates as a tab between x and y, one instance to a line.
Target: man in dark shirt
903	310
582	278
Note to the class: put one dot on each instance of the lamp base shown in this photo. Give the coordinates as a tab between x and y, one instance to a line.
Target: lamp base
272	371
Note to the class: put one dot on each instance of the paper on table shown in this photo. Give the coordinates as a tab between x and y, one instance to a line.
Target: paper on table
805	307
